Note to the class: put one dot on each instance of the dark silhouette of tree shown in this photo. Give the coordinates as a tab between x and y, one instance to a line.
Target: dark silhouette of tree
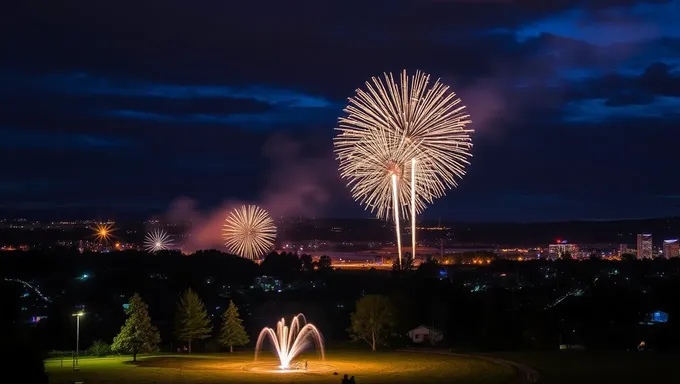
137	335
429	269
19	351
232	332
372	320
406	264
285	265
307	263
192	318
324	263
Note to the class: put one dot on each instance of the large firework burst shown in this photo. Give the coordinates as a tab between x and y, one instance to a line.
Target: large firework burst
249	232
157	240
390	124
402	142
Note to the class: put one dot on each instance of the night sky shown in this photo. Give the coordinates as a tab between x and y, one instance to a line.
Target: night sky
123	107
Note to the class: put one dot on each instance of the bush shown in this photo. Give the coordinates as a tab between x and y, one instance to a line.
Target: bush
99	348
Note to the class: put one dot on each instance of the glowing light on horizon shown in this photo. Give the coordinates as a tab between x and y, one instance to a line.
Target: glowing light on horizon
249	232
157	240
387	128
289	342
103	232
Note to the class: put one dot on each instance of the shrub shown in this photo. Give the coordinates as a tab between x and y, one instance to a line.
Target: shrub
99	348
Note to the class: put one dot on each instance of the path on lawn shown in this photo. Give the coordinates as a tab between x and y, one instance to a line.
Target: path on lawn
525	374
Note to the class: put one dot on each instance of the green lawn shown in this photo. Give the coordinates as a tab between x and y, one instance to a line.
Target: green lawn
586	367
367	367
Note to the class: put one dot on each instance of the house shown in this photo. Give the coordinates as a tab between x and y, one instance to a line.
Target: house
424	333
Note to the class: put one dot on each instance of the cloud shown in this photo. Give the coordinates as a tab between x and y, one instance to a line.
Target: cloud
278	117
598	110
655	93
199	95
84	83
609	23
14	138
245	106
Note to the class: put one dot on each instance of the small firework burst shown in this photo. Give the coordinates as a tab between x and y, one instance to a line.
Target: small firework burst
157	240
103	232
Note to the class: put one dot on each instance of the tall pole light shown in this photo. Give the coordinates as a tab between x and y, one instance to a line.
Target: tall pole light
78	316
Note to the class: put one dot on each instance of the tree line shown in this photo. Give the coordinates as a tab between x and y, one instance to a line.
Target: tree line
138	335
371	322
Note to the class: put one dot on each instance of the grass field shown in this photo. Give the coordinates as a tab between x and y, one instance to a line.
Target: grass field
367	367
586	367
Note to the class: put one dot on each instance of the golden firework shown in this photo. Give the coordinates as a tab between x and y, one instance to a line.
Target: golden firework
402	142
249	232
389	125
103	231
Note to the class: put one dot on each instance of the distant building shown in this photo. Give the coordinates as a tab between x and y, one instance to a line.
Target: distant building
562	248
623	249
425	334
644	246
671	248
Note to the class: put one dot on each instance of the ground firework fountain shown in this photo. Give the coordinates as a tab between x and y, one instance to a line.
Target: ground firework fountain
290	341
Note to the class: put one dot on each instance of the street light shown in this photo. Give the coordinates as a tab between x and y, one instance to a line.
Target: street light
78	316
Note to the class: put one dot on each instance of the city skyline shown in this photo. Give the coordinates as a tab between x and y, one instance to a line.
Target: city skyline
131	111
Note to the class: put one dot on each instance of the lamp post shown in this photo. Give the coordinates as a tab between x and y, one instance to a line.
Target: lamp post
77	357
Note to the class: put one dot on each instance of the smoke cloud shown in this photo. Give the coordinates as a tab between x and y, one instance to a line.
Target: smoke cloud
299	185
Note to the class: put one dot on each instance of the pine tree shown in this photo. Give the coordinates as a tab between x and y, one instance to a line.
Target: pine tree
192	318
232	332
137	335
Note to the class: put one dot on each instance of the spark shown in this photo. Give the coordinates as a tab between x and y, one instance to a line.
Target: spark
157	240
388	127
249	232
103	231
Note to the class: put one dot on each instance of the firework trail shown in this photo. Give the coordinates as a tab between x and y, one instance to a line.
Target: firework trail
392	129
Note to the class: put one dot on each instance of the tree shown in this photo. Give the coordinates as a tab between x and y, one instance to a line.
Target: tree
405	265
99	348
372	320
286	266
137	335
429	269
192	318
324	263
307	263
232	332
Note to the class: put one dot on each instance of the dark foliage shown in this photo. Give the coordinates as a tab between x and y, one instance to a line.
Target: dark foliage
489	306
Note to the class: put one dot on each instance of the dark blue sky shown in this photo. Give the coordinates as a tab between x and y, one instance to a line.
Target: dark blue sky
122	107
